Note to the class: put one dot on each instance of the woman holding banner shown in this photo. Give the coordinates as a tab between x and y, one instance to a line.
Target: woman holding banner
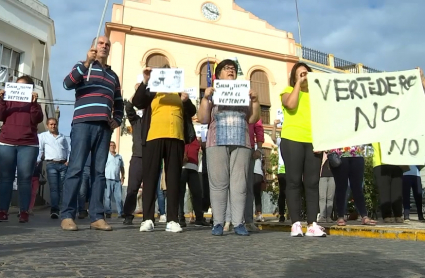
302	163
18	149
228	151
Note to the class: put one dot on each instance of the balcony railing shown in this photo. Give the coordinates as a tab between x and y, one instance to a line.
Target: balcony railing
11	75
331	61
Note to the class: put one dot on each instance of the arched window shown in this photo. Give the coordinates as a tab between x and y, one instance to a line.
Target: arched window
260	84
157	61
203	83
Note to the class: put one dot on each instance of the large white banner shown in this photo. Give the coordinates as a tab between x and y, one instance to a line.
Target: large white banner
355	109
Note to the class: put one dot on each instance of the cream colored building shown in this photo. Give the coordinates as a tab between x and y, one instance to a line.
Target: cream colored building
188	33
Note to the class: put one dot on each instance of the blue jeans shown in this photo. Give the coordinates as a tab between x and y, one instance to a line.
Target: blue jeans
160	196
84	193
22	158
55	176
87	137
113	187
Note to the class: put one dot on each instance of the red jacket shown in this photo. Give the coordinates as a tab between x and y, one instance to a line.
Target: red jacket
191	150
256	133
20	120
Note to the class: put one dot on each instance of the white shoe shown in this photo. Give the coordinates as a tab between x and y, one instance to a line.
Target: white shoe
162	219
315	231
296	230
173	227
259	218
321	220
146	226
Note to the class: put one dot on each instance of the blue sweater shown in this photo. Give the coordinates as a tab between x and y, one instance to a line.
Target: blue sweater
98	99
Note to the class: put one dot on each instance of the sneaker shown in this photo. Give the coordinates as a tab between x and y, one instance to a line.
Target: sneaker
162	218
259	218
321	220
217	230
173	227
83	214
329	220
182	222
251	228
315	230
296	230
202	224
407	219
128	220
282	218
4	217
399	220
240	230
388	220
24	217
146	226
227	227
54	215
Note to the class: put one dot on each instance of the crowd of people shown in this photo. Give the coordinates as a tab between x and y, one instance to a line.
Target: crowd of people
224	173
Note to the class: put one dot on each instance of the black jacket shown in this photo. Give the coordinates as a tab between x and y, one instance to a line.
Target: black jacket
142	99
136	125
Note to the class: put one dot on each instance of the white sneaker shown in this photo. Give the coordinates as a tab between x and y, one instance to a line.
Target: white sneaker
173	227
162	219
252	228
296	230
146	226
315	231
259	218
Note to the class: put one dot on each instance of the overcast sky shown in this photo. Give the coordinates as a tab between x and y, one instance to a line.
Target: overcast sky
384	34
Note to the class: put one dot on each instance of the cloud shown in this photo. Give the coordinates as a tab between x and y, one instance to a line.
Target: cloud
382	34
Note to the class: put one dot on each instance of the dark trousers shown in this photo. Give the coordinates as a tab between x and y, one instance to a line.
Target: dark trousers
414	183
135	178
206	202
281	202
351	169
302	166
389	179
191	177
258	180
171	150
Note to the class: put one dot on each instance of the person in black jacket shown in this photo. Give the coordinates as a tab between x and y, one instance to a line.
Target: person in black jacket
135	172
166	127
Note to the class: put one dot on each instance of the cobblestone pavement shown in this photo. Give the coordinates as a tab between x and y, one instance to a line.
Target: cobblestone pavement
40	249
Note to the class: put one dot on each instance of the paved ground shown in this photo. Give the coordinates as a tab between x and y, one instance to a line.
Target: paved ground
41	249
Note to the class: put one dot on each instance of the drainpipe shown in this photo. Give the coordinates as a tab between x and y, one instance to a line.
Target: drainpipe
44	56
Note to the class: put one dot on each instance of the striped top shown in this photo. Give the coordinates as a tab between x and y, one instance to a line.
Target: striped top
97	99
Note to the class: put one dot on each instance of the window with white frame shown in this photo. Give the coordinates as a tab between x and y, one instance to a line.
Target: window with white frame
9	63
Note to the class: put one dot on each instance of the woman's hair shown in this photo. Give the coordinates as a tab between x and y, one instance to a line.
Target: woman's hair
166	66
293	77
222	64
27	79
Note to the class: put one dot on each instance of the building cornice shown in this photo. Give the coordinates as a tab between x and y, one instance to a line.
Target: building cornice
198	42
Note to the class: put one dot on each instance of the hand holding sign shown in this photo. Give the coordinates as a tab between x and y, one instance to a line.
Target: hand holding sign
209	92
184	97
1	94
34	97
253	95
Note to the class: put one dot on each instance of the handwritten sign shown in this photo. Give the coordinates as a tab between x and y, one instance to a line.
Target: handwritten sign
193	93
355	109
279	116
404	151
201	131
231	92
167	80
18	92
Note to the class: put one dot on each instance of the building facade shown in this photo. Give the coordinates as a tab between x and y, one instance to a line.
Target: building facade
27	34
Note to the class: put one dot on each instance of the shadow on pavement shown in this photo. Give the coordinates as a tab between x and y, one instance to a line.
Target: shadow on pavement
13	249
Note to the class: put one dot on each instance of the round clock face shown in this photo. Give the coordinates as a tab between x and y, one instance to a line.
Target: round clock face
210	11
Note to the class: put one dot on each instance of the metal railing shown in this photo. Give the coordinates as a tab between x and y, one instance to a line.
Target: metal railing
315	56
370	70
345	65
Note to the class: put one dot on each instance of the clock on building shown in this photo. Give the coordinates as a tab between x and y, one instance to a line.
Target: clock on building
210	11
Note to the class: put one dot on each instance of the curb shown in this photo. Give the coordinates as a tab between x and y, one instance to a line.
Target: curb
356	231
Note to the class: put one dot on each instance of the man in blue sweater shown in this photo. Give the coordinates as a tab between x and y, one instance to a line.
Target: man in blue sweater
92	127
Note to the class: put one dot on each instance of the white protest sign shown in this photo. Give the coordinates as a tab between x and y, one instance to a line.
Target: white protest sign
201	131
231	92
192	92
166	80
279	116
356	109
18	92
409	150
